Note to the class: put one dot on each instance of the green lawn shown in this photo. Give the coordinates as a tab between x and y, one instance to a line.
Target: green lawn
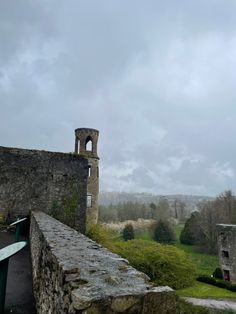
204	263
178	229
203	290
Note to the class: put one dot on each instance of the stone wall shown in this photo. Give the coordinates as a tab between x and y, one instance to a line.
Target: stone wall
73	274
226	238
93	190
32	180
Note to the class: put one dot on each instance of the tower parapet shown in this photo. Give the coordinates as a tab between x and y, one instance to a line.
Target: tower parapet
86	144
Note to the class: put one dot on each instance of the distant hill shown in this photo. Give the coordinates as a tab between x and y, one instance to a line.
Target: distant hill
191	201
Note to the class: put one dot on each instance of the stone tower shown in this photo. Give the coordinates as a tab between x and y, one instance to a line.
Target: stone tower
226	238
86	145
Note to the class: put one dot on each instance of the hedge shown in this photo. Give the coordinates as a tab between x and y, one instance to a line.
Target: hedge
217	282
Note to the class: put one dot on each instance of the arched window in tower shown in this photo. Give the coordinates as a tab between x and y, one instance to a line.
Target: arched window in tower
89	144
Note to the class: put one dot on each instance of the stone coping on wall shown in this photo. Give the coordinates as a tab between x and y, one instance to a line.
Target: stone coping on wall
73	274
24	151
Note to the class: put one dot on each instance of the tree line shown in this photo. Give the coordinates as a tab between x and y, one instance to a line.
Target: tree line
200	228
134	210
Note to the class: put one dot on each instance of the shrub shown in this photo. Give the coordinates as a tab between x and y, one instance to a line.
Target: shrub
101	235
221	284
207	279
218	273
163	233
164	264
128	232
217	282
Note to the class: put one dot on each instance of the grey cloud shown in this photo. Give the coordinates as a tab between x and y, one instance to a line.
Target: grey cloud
156	78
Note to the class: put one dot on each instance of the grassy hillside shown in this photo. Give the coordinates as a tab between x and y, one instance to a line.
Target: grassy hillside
204	263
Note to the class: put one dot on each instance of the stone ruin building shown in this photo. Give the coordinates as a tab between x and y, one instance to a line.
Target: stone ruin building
32	179
71	273
226	237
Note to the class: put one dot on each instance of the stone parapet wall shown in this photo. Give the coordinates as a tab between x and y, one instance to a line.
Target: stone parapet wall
33	179
73	274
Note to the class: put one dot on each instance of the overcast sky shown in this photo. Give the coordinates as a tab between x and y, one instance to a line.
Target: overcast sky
156	78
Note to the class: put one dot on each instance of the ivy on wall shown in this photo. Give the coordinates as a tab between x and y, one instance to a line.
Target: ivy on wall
66	211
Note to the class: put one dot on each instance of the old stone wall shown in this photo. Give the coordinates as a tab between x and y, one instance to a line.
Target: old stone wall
93	190
33	179
226	238
73	274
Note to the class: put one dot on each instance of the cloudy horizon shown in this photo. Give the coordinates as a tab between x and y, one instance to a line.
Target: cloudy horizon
157	79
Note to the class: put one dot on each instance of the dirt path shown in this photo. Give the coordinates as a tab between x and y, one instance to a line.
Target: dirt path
211	303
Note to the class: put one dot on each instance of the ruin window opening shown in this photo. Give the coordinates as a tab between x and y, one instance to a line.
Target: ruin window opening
225	254
89	144
89	171
89	200
97	172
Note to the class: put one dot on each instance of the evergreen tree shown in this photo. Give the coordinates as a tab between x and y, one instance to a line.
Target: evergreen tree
191	232
218	273
163	233
128	232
